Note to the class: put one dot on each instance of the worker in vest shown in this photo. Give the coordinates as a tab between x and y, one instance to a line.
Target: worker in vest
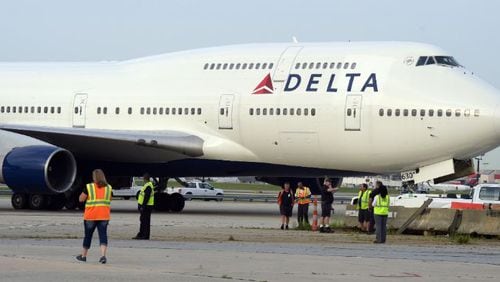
363	207
97	198
381	204
303	197
145	202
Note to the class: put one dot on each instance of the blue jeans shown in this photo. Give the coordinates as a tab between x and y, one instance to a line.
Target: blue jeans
102	229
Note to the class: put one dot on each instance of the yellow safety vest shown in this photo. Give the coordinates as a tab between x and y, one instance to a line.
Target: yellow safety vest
98	204
382	205
151	200
302	195
364	199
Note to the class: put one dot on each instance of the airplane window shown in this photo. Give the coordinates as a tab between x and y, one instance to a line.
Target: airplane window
264	66
250	66
8	109
231	66
250	111
332	65
306	111
155	111
458	113
222	111
397	112
52	110
39	110
467	113
448	113
422	113
257	111
271	65
389	112
304	65
346	65
167	111
271	111
285	111
20	110
313	112
205	67
311	65
142	111
421	61
179	111
299	112
476	112
117	110
244	66
219	66
186	111
405	112
26	109
45	110
292	112
278	111
430	61
129	110
353	66
199	111
414	113
318	65
212	66
2	109
431	113
325	65
160	111
193	111
14	110
238	65
447	60
173	111
349	112
257	66
440	113
105	110
264	112
33	110
148	110
339	65
225	66
98	110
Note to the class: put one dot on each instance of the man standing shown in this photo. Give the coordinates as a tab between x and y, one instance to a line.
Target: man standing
326	206
374	192
145	202
363	205
285	201
303	196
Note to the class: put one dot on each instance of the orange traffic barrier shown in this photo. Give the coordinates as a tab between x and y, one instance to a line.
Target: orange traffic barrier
314	226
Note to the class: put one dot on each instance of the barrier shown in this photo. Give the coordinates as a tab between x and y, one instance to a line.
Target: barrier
314	226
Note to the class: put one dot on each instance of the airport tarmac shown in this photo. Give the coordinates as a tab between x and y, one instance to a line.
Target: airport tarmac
213	241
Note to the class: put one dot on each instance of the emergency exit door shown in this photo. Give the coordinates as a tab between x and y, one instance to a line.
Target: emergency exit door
352	112
226	112
79	110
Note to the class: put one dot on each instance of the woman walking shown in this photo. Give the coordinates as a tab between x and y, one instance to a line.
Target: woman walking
381	211
285	201
97	198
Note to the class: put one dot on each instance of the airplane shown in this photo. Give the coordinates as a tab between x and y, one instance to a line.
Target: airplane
279	111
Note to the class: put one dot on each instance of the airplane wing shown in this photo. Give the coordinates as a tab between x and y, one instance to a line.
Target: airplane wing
117	145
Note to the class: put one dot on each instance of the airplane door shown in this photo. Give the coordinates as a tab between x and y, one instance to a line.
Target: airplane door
285	63
226	111
352	113
79	110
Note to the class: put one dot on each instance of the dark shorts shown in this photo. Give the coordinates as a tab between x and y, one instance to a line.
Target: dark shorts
326	209
286	210
363	215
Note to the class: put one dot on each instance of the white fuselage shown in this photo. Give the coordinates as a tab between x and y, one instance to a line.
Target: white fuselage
343	128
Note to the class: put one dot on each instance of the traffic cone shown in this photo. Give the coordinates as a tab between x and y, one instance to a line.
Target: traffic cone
314	226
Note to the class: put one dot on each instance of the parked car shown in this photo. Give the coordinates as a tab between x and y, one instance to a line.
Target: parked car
199	190
127	193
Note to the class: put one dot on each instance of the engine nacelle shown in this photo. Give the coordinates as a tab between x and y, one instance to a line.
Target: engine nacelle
315	184
38	169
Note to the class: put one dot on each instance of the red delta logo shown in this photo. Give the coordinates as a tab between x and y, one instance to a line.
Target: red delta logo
265	86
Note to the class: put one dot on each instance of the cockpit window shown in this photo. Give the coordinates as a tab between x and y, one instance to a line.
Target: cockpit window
439	60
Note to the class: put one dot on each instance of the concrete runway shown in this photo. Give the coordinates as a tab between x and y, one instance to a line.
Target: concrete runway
226	241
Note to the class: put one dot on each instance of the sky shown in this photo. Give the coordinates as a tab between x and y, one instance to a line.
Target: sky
97	30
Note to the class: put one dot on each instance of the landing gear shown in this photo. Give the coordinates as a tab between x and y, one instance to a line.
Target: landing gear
37	201
174	202
19	201
56	202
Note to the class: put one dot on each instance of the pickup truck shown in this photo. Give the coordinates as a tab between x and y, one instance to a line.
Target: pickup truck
198	190
127	192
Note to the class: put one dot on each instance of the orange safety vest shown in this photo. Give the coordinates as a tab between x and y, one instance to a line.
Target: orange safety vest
302	196
98	204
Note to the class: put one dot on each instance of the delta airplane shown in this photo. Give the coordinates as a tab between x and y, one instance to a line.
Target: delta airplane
294	111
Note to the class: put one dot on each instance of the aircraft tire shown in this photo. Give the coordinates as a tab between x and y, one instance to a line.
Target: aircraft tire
19	201
37	201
